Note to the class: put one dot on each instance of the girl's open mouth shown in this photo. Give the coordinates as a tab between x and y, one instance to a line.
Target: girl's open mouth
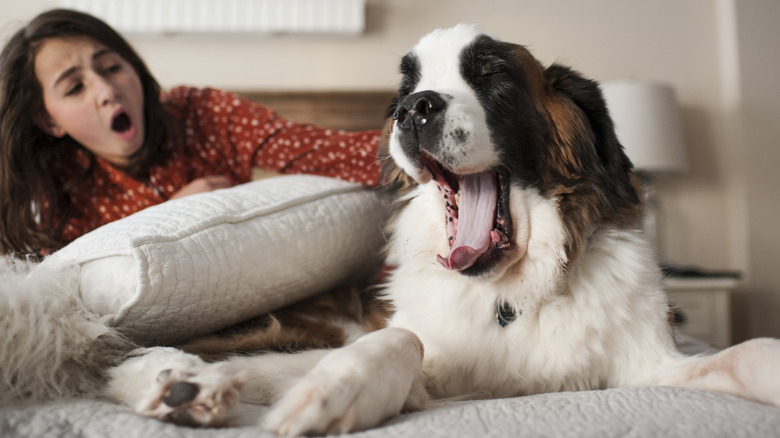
122	124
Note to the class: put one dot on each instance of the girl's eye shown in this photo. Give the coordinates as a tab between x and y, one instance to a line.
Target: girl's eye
74	89
113	68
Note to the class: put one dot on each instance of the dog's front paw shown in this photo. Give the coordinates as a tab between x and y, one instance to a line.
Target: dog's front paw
318	404
171	385
352	388
202	399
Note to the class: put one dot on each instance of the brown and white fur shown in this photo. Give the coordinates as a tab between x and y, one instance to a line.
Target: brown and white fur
537	279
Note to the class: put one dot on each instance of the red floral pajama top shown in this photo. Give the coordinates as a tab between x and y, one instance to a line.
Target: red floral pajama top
228	135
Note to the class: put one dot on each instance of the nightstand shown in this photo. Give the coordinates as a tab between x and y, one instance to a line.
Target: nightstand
705	305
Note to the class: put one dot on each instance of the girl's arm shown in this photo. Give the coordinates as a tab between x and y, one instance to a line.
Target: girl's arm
235	135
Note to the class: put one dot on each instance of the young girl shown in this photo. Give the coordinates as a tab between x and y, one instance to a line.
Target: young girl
87	136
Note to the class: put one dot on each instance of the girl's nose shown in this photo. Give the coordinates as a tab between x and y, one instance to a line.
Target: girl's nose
106	91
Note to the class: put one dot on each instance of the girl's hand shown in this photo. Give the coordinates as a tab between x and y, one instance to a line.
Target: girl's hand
201	185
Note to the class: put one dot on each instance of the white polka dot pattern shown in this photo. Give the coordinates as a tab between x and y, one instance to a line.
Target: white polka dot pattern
227	135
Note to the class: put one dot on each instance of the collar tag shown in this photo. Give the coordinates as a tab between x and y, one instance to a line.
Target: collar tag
505	313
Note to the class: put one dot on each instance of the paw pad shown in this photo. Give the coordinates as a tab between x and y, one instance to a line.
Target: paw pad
180	393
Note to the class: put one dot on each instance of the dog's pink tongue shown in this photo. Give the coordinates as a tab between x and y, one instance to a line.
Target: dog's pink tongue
476	215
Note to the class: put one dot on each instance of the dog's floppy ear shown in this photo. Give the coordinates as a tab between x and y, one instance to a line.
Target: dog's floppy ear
586	94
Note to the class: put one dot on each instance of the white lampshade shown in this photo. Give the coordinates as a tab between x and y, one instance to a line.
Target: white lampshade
647	124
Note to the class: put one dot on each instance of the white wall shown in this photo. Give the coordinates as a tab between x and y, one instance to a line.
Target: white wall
718	215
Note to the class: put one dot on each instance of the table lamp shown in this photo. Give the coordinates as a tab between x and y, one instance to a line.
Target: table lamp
647	124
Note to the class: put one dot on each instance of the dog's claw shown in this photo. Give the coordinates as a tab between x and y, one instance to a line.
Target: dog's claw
164	375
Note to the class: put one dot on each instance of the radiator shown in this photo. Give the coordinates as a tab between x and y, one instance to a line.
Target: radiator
228	16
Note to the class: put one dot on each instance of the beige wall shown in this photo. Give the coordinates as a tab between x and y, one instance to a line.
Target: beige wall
758	143
718	215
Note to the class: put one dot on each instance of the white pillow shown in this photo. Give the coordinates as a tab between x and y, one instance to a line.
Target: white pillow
197	264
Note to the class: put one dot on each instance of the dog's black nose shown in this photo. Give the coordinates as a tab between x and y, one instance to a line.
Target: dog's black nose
427	102
421	107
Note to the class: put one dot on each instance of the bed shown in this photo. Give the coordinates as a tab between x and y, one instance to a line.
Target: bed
623	412
209	242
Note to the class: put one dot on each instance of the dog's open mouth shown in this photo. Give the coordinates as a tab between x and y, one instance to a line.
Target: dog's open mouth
476	220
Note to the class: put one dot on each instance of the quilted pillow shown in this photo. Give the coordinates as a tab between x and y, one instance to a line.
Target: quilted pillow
200	263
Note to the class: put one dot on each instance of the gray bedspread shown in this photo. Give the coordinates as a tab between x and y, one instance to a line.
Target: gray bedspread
624	412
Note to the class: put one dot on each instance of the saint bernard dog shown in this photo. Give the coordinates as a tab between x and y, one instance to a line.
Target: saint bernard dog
519	267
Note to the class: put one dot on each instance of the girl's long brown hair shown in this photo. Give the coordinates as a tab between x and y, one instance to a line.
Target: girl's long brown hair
34	204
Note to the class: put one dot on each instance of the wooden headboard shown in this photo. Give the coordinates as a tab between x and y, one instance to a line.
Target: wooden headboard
348	110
